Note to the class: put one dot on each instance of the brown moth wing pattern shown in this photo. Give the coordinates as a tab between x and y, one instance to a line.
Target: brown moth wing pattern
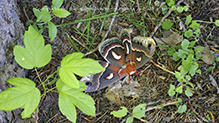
112	51
103	79
142	50
123	55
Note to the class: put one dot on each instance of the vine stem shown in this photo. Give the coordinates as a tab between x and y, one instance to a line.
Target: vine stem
201	21
43	84
48	90
50	76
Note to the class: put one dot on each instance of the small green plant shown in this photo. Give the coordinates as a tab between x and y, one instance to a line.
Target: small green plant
24	93
180	9
189	57
167	24
138	112
171	3
36	55
217	22
44	15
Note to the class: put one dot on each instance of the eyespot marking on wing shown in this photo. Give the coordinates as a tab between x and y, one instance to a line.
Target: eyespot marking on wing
110	76
115	56
139	58
127	48
88	83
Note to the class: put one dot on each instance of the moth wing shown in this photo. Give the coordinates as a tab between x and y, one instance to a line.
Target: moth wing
142	50
112	51
103	79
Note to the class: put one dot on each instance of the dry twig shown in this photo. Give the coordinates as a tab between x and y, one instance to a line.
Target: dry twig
165	16
162	68
114	17
158	107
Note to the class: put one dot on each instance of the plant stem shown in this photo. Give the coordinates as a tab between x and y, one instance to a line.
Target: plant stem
44	88
201	21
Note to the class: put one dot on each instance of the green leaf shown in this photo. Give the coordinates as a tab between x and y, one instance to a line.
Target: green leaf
71	57
199	71
188	92
216	22
193	68
217	59
185	44
139	111
182	109
68	77
61	85
188	19
183	53
36	12
179	9
208	117
167	25
185	8
194	25
44	15
171	51
35	54
66	74
81	100
176	56
52	31
170	2
188	33
56	4
23	57
186	64
120	113
71	97
179	89
73	63
188	77
67	107
82	67
173	7
61	13
164	9
197	32
21	95
85	66
192	43
171	91
43	56
183	72
179	100
33	40
178	76
129	120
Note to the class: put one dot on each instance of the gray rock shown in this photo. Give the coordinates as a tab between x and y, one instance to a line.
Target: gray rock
11	34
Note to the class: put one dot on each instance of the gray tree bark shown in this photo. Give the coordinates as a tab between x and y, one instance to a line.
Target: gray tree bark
11	34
